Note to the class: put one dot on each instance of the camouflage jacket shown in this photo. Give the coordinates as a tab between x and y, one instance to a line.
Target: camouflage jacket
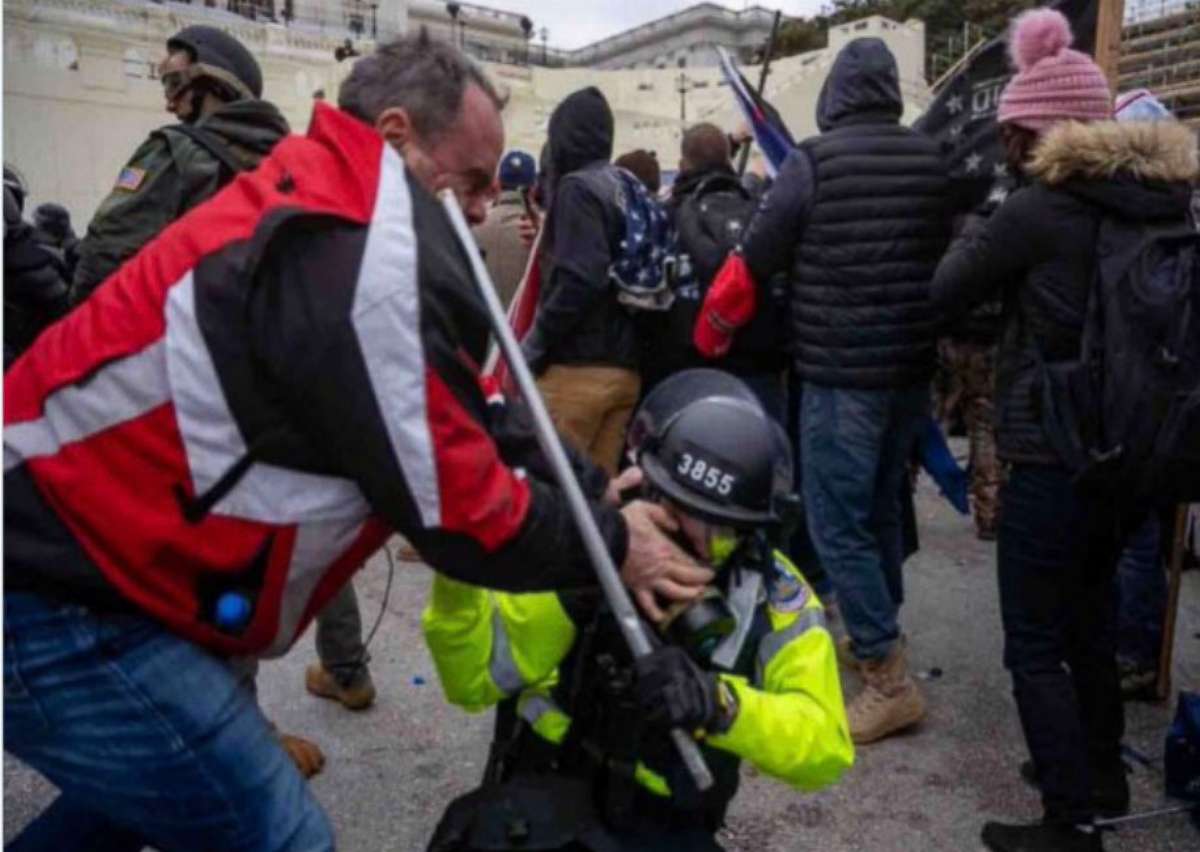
169	174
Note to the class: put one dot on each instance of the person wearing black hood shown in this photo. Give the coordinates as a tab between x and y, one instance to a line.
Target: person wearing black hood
213	85
583	345
52	226
35	290
859	216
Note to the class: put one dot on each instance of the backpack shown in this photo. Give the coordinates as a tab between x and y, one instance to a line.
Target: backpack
709	223
1125	416
644	266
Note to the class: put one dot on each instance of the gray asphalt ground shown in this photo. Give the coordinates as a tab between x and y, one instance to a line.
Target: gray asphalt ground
391	769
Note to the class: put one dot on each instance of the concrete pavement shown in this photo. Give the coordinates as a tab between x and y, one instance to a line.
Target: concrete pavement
391	769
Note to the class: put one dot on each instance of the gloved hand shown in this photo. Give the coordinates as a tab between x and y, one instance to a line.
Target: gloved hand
674	692
731	303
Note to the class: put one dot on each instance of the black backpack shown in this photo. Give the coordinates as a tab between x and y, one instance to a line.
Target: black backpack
1125	416
710	223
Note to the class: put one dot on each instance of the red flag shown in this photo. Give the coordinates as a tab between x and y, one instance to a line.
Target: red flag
521	312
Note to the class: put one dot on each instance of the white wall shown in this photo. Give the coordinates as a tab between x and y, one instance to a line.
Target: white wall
69	130
79	96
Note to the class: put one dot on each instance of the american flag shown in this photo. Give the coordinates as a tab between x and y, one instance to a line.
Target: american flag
963	114
521	311
764	120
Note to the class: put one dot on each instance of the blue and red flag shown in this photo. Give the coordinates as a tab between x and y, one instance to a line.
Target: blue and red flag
764	120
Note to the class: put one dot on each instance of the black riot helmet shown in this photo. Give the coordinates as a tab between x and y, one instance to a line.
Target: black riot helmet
717	454
220	57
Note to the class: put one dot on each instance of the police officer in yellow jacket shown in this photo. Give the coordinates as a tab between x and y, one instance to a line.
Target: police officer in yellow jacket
582	759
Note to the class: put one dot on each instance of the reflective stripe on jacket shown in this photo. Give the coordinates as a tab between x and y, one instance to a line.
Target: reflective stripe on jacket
791	721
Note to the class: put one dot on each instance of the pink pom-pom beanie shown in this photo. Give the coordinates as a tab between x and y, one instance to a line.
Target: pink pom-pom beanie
1053	83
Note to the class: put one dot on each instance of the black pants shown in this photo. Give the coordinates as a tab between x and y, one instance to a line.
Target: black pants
1057	556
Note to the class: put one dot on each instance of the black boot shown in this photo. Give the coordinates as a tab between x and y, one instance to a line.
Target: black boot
1110	788
1040	837
1110	791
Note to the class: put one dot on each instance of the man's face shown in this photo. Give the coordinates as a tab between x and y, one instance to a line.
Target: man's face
173	73
464	158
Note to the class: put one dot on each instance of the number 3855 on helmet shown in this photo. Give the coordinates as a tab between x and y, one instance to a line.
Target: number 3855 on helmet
704	442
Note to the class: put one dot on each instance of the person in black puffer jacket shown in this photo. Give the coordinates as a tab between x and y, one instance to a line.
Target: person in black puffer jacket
859	215
1057	545
583	345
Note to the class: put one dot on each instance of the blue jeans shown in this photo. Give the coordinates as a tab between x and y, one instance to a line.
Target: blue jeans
150	739
1141	595
856	445
801	548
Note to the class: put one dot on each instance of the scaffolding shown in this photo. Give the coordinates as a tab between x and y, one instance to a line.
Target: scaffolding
1162	54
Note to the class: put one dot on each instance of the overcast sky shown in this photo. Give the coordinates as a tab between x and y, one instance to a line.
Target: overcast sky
574	24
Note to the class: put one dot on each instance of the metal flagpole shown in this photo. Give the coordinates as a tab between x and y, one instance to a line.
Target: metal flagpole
744	158
606	571
1174	573
1109	19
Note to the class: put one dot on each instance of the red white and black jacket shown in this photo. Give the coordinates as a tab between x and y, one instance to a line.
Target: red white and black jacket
262	394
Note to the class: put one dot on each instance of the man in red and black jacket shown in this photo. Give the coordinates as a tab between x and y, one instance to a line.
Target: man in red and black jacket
199	457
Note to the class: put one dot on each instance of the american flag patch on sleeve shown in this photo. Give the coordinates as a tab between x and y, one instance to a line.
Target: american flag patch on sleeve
130	178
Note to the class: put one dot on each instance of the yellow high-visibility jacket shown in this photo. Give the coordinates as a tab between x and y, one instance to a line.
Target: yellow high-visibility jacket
791	720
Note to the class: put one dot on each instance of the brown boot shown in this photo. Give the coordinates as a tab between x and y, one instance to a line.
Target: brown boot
357	695
889	702
305	754
845	656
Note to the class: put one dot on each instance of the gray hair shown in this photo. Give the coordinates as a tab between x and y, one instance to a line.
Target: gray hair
425	77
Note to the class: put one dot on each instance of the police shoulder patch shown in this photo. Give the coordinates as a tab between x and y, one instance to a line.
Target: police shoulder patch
130	179
786	592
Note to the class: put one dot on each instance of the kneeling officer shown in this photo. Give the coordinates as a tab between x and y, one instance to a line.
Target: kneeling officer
582	757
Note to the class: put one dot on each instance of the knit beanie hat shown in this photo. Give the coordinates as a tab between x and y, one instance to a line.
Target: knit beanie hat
1053	83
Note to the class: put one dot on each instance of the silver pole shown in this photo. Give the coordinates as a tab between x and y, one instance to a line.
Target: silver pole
606	571
1160	812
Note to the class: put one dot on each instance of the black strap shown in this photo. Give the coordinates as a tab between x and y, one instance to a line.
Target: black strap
196	509
213	144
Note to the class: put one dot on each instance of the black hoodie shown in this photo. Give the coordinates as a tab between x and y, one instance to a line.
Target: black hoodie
578	318
859	216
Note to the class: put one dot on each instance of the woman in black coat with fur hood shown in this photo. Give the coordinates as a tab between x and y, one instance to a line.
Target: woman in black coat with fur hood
1057	548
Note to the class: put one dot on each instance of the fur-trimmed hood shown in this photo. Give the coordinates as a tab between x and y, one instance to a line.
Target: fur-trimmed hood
1133	170
1160	152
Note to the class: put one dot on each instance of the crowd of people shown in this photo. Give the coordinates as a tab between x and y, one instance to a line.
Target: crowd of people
270	350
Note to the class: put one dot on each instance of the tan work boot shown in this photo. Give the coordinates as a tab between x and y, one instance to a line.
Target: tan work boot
305	754
359	695
845	656
889	702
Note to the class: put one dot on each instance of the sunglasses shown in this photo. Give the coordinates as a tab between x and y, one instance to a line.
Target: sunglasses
174	83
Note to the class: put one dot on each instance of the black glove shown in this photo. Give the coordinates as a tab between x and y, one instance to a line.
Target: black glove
674	692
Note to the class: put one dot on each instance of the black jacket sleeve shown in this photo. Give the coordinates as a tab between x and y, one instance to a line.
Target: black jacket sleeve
781	217
581	254
464	504
510	423
988	254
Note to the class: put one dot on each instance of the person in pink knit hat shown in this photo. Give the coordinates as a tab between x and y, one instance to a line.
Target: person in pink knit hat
1058	546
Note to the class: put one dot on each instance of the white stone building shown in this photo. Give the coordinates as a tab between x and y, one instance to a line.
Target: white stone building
80	87
682	39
